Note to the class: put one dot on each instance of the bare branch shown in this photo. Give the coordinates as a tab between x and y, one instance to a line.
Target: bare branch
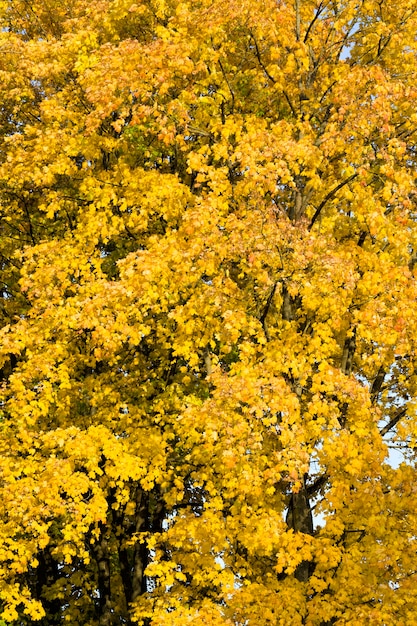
393	422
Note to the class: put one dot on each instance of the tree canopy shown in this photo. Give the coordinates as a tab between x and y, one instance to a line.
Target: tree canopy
208	312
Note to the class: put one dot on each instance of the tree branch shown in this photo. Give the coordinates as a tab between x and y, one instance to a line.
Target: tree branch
348	353
261	63
377	383
329	196
262	319
393	422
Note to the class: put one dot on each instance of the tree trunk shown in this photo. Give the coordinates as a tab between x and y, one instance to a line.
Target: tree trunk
300	519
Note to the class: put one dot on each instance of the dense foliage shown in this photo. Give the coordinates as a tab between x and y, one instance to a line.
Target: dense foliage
208	312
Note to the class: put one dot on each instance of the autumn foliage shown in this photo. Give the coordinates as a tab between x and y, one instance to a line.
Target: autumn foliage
208	307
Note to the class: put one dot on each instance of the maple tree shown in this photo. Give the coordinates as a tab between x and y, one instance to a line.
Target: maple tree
208	296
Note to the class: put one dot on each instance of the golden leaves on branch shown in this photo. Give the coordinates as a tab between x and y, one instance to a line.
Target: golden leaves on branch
208	312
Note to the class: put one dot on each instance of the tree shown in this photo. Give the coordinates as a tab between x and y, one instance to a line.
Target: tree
208	328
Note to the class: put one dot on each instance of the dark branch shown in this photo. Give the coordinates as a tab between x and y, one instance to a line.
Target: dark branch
313	21
393	422
262	319
329	196
261	63
377	384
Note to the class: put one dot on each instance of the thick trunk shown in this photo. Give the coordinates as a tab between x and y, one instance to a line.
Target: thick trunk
300	519
101	553
46	575
133	560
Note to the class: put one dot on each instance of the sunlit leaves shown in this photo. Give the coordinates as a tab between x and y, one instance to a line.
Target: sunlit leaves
208	327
